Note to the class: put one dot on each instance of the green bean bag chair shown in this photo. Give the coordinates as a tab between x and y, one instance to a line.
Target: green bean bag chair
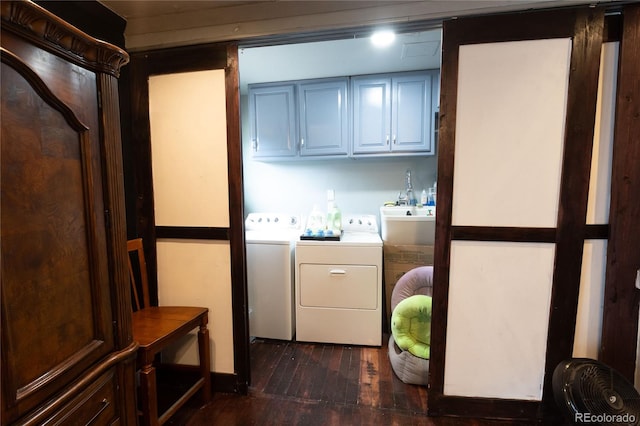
411	325
409	368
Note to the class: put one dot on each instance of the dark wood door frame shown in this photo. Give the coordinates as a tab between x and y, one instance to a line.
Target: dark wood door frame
620	319
186	59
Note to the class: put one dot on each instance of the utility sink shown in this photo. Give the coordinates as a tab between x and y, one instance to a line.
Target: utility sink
412	225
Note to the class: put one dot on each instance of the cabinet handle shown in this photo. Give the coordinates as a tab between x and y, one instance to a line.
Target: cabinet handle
301	142
394	139
387	139
254	144
337	272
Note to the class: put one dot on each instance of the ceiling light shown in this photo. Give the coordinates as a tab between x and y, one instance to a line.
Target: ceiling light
382	38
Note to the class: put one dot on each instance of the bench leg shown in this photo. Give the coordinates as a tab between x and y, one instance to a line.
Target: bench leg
205	360
149	399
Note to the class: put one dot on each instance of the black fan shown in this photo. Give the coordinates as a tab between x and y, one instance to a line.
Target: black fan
589	392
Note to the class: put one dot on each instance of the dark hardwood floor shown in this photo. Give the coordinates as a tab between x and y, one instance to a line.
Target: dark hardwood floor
296	383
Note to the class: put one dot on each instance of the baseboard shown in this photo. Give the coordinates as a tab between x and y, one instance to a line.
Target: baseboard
228	383
220	382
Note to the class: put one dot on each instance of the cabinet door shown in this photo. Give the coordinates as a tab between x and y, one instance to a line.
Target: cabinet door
273	121
57	314
323	118
371	114
411	121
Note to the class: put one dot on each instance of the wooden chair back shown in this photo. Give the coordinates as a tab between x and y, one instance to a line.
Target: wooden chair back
156	328
139	270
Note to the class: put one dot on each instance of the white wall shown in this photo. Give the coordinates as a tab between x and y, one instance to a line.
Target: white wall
591	297
361	186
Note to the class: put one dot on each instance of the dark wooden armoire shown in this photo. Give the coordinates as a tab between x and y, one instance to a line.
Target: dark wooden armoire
67	350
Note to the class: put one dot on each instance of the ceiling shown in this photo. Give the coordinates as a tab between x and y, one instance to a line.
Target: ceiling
348	57
165	23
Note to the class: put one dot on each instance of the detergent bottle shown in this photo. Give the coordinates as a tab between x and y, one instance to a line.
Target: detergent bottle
334	216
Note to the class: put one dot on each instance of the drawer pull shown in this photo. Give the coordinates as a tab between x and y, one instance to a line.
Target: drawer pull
105	404
337	272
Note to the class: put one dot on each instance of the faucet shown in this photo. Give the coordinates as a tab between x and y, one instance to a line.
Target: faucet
407	197
411	198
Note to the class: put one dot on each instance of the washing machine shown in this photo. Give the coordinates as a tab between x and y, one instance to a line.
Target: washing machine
338	285
270	243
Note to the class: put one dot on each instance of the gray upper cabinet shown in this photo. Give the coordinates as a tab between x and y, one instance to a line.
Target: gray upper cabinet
371	114
324	127
272	115
393	114
389	114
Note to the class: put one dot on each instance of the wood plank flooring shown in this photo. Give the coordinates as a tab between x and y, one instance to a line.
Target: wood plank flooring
295	383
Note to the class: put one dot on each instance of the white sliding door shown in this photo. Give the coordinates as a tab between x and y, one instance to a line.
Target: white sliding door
508	158
517	117
190	183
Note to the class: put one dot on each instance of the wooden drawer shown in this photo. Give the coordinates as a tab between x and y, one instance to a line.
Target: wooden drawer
95	405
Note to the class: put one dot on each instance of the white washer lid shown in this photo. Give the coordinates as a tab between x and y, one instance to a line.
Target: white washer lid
271	237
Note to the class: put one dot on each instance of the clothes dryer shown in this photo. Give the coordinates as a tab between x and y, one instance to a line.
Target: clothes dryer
339	285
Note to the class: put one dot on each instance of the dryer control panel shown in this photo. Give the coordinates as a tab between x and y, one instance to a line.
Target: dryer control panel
367	223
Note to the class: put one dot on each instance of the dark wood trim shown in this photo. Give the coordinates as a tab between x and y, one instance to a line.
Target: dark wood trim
612	28
574	192
596	232
220	382
524	25
446	149
486	233
192	232
239	295
489	408
199	57
533	235
139	146
227	383
585	27
619	333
